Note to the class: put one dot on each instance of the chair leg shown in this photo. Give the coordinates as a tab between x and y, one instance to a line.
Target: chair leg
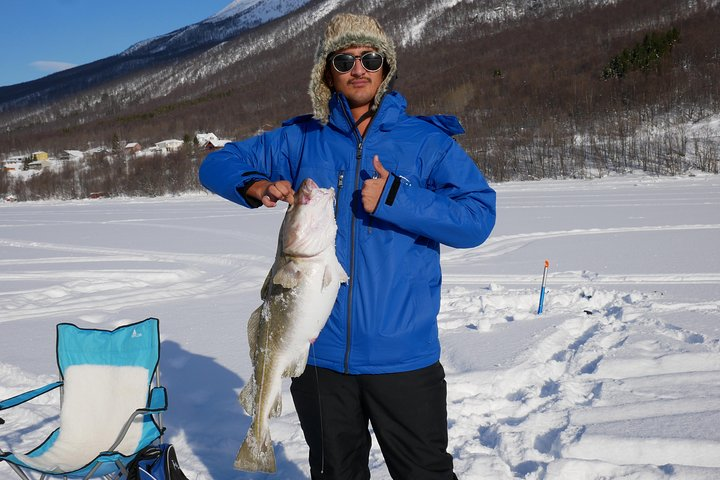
92	471
159	414
122	468
17	470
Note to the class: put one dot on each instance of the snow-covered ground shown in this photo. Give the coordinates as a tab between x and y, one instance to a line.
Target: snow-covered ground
619	378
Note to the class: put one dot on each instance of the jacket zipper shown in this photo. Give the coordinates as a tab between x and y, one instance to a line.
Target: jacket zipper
351	280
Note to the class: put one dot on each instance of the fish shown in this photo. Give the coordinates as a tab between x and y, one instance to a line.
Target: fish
298	296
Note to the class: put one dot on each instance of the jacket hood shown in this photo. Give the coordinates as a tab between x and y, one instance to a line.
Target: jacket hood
343	31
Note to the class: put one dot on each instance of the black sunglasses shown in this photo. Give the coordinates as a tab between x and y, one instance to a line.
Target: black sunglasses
344	62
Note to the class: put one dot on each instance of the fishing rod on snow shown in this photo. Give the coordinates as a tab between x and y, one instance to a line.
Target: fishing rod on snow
542	288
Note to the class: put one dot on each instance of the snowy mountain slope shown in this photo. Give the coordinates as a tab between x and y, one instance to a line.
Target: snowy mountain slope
262	10
234	19
480	15
523	77
233	8
187	60
237	17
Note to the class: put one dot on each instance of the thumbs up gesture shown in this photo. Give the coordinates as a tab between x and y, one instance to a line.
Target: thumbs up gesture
373	187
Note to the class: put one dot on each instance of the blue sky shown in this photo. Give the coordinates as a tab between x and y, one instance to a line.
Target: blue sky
39	37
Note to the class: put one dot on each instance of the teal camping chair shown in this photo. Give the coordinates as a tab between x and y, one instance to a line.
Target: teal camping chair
108	403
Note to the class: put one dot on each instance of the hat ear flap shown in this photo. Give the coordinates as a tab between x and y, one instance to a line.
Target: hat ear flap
328	79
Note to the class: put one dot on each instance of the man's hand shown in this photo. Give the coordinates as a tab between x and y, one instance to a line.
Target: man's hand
269	193
373	187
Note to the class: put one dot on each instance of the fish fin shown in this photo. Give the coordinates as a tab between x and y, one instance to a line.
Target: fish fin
344	277
333	273
327	277
280	263
266	285
276	409
253	327
288	276
296	368
256	456
247	396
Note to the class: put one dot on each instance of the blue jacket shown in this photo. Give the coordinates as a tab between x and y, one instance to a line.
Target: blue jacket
385	317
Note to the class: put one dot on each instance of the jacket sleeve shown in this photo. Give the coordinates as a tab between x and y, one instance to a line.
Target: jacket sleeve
455	207
228	172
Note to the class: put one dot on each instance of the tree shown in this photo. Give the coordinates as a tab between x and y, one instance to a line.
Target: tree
644	56
116	143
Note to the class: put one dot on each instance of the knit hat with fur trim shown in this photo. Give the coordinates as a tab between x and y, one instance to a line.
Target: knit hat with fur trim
347	30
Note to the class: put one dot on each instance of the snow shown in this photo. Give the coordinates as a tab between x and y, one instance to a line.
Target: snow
256	12
235	7
619	378
415	31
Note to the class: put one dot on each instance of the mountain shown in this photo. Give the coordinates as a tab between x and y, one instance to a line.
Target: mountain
187	54
523	75
180	55
239	16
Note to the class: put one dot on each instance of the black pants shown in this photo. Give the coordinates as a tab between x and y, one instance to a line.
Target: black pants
408	413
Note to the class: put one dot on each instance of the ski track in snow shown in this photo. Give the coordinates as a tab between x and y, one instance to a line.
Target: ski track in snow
619	378
100	279
603	358
502	245
79	287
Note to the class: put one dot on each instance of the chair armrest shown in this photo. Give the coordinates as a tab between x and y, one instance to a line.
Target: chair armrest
156	403
158	400
24	397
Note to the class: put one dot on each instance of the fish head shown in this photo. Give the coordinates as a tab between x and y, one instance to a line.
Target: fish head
309	226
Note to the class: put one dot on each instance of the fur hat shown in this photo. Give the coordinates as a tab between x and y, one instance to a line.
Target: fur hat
347	30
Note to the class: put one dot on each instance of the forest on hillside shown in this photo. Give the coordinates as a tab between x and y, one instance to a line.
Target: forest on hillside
109	175
606	88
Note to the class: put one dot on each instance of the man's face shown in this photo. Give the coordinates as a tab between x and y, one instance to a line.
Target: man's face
358	85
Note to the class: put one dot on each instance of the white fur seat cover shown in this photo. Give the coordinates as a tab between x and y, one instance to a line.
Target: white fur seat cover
97	401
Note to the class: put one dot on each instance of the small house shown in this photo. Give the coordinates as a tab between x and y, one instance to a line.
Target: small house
132	147
215	144
71	156
210	141
96	151
169	145
39	164
203	138
39	156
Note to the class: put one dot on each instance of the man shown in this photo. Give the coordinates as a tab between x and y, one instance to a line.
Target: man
403	187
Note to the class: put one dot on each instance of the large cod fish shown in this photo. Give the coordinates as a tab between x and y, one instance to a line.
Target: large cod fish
298	296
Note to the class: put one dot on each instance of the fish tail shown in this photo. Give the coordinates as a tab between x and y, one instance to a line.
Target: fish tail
256	456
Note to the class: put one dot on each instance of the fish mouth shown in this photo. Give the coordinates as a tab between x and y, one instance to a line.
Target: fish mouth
309	184
309	189
306	191
309	227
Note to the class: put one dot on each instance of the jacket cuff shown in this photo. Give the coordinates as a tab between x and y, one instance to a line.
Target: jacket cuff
242	189
387	198
392	191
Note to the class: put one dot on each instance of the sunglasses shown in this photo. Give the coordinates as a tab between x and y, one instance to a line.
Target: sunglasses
344	62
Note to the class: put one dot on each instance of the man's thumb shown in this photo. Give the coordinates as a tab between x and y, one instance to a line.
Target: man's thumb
379	167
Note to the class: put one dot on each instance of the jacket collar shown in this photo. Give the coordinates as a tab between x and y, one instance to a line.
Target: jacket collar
392	108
